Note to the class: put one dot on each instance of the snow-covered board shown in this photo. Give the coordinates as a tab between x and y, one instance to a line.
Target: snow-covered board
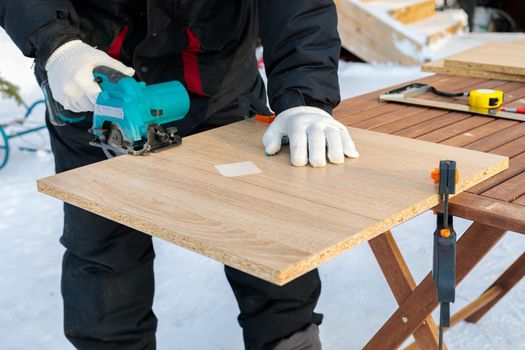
277	221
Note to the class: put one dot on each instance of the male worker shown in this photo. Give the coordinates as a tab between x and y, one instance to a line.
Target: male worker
107	278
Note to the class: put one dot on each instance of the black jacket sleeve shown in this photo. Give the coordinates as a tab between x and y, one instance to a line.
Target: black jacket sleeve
301	53
38	27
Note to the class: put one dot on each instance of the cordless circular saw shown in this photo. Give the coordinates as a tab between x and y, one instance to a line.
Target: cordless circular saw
130	117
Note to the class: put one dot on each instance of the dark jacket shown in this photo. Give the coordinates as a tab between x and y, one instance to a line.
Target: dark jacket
207	44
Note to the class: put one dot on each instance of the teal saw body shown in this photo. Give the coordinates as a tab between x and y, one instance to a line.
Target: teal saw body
129	116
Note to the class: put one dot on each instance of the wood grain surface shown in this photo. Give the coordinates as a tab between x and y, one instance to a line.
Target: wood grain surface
281	223
502	57
475	72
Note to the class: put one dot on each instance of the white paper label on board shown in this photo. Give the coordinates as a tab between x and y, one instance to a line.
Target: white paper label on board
238	169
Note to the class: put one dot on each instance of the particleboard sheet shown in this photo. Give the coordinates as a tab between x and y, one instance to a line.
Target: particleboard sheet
277	224
500	57
439	67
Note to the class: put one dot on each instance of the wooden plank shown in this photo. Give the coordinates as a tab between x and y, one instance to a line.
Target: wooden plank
439	67
479	132
498	138
382	109
484	299
516	167
413	11
455	129
501	57
432	125
179	196
441	26
405	11
362	32
488	211
385	118
405	123
475	243
512	148
506	282
508	191
402	284
520	201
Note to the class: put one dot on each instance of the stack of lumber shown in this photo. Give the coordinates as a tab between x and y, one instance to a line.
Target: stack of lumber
402	31
493	60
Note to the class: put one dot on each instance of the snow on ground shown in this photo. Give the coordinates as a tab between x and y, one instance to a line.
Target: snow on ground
194	304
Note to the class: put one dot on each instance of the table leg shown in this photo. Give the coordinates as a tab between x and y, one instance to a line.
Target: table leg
402	284
505	283
477	241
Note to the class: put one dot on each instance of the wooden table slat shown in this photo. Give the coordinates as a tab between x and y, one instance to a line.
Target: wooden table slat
479	132
497	139
455	129
510	190
489	211
432	125
516	167
511	149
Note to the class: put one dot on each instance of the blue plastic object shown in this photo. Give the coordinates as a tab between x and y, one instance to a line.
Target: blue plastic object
133	106
5	137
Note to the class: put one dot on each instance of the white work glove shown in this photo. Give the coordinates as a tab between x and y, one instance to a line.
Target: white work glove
70	74
310	130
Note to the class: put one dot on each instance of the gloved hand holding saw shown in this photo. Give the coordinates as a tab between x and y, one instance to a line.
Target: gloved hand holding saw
310	131
70	74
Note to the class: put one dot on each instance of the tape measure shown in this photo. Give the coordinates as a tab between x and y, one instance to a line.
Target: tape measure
485	98
480	98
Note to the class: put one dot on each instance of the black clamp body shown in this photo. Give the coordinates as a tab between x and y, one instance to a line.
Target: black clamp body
444	262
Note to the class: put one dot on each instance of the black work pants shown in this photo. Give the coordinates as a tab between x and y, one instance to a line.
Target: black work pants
107	273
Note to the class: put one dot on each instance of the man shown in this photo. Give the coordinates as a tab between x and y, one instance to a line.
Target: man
107	278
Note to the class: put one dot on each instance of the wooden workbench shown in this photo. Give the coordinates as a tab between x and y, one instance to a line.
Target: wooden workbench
496	205
283	221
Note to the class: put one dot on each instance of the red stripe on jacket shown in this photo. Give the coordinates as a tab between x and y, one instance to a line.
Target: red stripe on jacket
190	64
116	46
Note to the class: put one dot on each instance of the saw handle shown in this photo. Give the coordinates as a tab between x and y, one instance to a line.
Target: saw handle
105	75
58	115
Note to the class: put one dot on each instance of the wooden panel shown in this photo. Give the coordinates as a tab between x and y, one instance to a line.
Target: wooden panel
280	223
501	57
439	67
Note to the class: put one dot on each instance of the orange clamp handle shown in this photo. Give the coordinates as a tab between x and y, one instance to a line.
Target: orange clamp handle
265	118
435	175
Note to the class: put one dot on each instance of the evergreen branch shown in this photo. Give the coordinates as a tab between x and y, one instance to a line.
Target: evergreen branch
10	91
